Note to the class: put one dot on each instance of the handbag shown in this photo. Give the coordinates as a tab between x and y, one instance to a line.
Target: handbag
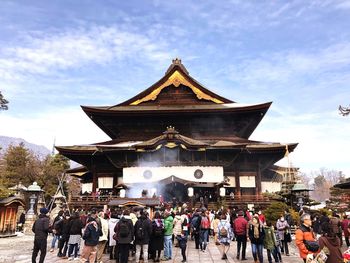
287	237
312	246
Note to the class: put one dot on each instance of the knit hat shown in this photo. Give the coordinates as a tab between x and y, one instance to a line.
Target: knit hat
44	210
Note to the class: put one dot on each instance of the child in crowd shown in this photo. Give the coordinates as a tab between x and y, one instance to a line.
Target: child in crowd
182	239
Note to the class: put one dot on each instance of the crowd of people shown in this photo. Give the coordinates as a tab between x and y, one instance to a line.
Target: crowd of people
126	234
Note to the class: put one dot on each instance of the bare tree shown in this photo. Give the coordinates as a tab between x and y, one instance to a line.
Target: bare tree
344	110
3	102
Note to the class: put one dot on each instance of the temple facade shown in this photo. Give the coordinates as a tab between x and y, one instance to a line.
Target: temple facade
177	136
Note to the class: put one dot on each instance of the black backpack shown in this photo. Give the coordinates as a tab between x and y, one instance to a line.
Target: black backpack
124	230
158	230
140	233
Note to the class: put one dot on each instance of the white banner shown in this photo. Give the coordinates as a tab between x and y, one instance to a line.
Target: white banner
200	174
105	182
247	181
270	187
86	188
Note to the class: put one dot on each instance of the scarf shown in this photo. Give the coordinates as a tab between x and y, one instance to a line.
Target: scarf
256	229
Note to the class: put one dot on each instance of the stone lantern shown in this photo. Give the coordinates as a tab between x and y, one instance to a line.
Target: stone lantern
34	192
300	194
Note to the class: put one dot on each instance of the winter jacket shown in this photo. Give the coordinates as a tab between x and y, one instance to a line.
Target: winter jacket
145	224
111	225
63	225
282	227
168	226
41	227
104	228
75	226
336	225
333	245
303	233
254	240
345	227
91	234
182	239
130	237
177	223
196	223
269	240
240	226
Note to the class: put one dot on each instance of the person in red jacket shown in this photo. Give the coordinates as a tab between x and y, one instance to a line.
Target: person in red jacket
240	225
262	217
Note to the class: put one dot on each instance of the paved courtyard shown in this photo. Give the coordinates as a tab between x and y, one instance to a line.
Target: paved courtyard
19	249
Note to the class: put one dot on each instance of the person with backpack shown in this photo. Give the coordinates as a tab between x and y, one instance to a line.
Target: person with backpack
41	231
124	232
240	225
63	227
168	226
195	227
256	235
204	231
143	231
304	237
157	237
331	241
225	235
91	236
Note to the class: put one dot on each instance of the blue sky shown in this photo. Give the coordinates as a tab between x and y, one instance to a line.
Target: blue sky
57	55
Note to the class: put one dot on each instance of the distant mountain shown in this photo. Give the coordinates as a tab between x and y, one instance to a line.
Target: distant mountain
5	142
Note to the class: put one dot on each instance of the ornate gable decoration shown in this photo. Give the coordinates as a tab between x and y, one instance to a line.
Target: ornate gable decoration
176	79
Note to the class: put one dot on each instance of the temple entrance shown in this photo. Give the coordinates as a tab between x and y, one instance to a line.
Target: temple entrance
174	191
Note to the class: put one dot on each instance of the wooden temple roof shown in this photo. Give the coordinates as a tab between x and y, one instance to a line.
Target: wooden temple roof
173	139
175	94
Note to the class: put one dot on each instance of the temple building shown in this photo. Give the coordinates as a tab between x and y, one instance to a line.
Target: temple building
177	135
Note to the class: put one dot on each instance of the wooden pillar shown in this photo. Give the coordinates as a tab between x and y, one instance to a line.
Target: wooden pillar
94	178
258	180
238	184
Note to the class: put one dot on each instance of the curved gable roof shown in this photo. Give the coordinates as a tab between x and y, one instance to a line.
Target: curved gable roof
176	75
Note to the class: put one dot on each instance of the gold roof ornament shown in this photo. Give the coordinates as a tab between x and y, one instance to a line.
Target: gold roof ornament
176	79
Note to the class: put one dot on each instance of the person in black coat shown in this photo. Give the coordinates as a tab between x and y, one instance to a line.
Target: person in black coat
124	231
157	237
75	229
62	227
143	231
41	231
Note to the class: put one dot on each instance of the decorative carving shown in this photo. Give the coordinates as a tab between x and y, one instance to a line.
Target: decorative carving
176	79
147	174
198	174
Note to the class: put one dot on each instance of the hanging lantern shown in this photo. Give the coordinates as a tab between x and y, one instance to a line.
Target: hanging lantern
222	191
122	193
190	191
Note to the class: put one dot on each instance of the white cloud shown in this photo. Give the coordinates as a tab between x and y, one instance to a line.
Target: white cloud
75	48
322	139
70	126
